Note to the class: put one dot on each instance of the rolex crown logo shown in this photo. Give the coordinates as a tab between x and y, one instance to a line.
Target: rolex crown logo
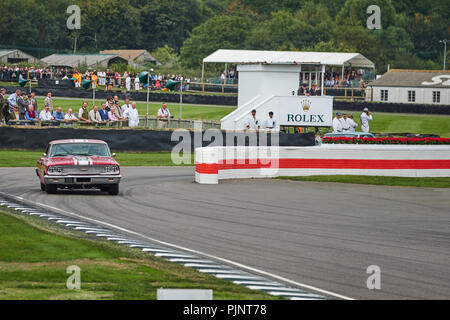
306	105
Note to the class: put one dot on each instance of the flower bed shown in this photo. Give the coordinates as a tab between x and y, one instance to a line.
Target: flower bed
385	140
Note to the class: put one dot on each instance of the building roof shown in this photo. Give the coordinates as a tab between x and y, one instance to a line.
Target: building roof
4	52
131	55
413	78
289	57
7	52
75	60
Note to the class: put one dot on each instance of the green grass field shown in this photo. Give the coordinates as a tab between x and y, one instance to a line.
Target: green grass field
384	181
18	158
34	256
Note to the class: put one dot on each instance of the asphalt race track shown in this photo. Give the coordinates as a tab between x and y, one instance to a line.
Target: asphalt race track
320	234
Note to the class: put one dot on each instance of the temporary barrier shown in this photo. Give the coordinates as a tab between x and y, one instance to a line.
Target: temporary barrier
216	163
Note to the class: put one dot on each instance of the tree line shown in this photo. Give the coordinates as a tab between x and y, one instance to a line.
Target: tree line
183	32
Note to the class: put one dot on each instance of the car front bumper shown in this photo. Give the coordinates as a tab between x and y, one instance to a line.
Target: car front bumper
89	180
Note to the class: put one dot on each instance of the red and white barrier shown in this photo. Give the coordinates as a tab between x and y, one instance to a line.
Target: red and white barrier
217	163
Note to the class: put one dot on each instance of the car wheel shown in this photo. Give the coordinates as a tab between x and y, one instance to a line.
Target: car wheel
113	189
42	186
51	188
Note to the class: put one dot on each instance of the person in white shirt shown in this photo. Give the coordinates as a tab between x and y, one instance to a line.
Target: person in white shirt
345	123
132	115
137	83
128	83
126	106
101	78
337	124
46	115
270	123
69	118
252	123
352	123
366	117
163	117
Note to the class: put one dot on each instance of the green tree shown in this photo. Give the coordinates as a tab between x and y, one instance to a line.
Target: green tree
286	31
220	32
354	12
168	22
426	31
395	39
166	55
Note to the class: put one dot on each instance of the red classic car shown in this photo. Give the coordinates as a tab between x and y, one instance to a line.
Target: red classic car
78	164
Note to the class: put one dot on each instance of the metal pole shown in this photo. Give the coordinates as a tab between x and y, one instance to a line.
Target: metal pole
181	100
445	52
323	75
203	77
148	97
310	80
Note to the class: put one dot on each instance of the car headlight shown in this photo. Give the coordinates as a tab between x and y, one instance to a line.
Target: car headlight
53	170
111	169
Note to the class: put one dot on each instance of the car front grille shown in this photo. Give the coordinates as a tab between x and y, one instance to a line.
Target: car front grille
77	170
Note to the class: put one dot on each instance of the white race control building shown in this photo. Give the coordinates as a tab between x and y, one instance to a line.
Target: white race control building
269	80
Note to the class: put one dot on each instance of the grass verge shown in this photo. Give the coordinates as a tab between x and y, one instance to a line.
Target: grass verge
19	158
378	180
34	256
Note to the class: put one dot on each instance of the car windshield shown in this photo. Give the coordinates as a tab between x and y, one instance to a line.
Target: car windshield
79	149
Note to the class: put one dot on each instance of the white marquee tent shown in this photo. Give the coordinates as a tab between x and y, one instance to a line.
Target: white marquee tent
289	57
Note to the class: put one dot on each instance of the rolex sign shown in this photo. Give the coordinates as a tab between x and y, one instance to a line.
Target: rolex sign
304	111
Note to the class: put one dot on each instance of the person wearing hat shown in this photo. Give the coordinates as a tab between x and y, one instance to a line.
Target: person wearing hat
270	123
4	107
337	123
366	117
252	123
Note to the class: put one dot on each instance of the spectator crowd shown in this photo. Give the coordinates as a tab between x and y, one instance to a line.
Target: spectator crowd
14	73
22	108
108	79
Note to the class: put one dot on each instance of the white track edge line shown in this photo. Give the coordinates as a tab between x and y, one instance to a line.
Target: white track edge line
237	264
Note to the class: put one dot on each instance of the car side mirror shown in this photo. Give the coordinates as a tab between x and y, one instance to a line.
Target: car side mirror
114	155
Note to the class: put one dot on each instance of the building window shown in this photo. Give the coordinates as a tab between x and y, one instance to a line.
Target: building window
384	95
411	96
436	96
